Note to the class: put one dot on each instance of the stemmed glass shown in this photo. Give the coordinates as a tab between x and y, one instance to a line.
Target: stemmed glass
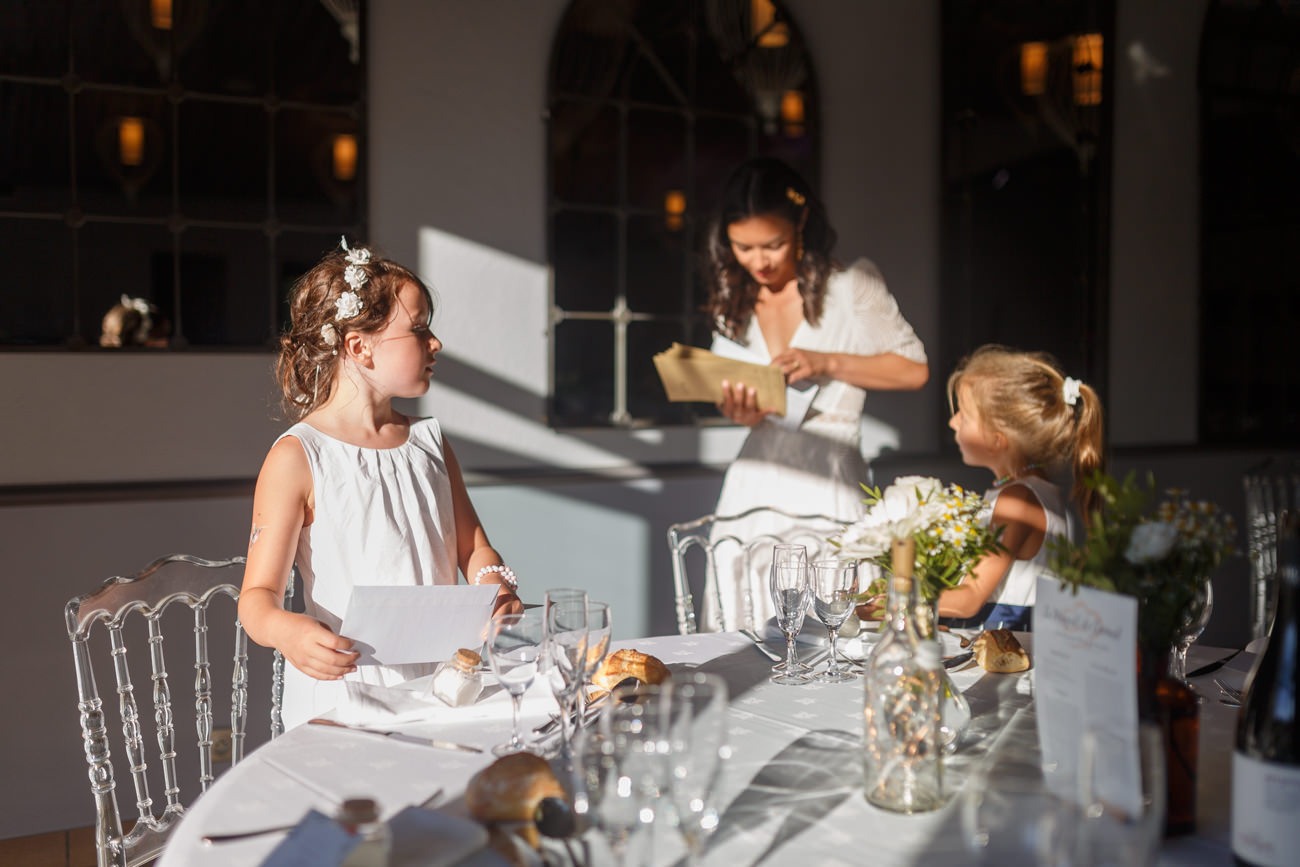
697	747
618	777
1193	625
790	594
834	584
566	634
514	646
598	626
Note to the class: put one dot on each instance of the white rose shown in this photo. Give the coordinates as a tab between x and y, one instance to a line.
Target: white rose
358	256
348	304
328	335
1150	542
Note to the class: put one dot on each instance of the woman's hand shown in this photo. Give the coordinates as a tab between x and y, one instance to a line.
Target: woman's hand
507	603
314	649
799	364
740	404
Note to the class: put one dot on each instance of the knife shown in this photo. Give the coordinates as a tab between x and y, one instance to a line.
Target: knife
400	736
762	645
959	659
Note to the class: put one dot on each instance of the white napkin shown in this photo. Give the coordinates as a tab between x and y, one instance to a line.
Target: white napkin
425	838
369	704
317	841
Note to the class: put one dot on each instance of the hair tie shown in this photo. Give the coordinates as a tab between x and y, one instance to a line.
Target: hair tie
1070	390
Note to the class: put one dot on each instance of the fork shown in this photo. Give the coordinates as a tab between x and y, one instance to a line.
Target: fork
1230	691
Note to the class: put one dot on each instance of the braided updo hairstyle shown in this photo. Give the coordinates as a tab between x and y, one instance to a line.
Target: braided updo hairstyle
1022	396
318	321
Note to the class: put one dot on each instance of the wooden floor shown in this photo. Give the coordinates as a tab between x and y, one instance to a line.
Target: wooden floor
74	848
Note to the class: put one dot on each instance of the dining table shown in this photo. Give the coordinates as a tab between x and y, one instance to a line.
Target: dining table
790	790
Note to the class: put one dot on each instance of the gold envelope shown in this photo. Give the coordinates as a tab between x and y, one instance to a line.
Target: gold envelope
693	374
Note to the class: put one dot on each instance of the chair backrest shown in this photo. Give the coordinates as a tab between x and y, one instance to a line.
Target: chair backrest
178	578
1272	487
744	536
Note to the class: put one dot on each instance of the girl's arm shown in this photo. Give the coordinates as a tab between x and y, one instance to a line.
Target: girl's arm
281	507
1024	525
473	550
884	372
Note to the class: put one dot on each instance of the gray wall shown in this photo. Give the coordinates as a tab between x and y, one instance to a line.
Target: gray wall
458	178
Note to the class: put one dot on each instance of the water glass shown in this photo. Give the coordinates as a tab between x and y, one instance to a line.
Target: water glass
598	630
514	646
834	585
566	638
791	596
1194	624
697	748
1113	833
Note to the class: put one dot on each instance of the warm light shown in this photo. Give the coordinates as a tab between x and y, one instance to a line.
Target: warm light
130	141
161	14
345	157
792	113
1087	69
770	35
1033	68
674	208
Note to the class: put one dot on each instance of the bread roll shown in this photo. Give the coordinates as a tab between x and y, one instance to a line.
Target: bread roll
998	650
509	789
629	663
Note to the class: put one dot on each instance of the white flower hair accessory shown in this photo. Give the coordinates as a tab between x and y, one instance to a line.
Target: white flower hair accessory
329	335
347	305
1070	390
139	305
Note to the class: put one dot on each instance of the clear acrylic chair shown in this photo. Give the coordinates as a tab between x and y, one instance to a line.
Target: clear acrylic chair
1272	487
714	533
193	582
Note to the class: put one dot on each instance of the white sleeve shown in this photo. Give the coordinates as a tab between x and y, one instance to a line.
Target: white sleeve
879	323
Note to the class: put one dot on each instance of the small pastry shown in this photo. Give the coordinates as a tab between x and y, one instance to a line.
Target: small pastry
627	663
998	650
509	790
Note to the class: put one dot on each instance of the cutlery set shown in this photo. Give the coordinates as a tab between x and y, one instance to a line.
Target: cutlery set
210	839
400	736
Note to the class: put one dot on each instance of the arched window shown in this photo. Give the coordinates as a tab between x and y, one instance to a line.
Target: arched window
651	105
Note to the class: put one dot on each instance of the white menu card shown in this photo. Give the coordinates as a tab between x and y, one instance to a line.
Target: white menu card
1085	680
396	625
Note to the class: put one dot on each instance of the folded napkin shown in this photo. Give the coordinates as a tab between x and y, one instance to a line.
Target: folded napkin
317	841
370	703
426	838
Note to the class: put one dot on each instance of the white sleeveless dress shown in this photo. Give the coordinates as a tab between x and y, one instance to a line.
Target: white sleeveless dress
1011	605
383	517
818	468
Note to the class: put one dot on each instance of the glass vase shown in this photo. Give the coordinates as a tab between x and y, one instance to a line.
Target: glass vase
901	740
954	710
1171	704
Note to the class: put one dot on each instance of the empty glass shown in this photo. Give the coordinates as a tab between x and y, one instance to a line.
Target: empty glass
620	770
791	595
566	638
834	584
697	741
514	646
1114	832
1193	625
598	628
1010	816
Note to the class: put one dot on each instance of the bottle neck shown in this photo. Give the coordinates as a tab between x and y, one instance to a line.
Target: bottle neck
902	602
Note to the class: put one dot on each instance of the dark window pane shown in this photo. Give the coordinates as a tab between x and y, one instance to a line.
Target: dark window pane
317	162
33	165
296	254
721	144
584	153
646	398
586	261
584	373
222	150
226	281
117	43
313	60
232	53
117	259
34	37
123	151
36	306
656	143
657	266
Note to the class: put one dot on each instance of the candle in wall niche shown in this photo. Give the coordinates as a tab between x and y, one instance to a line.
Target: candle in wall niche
345	157
130	141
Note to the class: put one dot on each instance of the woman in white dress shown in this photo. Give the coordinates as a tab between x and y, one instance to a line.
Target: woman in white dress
775	288
355	492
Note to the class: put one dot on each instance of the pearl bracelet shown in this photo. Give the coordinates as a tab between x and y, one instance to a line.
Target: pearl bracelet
507	576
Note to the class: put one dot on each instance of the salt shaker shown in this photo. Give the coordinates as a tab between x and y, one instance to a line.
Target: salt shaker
360	816
458	681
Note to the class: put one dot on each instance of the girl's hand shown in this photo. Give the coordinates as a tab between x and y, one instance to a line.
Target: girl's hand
799	364
740	404
315	650
507	603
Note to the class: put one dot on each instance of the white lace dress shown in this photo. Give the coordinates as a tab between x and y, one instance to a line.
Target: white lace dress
817	468
383	516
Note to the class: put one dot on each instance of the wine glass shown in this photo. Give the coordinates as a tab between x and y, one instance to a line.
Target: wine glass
790	594
514	648
834	583
697	741
1117	829
566	634
617	777
598	626
1194	622
1009	815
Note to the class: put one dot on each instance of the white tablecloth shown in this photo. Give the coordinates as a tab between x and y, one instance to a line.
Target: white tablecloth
792	789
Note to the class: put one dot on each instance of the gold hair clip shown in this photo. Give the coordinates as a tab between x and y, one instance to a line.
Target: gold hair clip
794	196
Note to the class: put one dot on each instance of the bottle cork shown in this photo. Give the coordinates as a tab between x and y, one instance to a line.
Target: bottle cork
904	560
467	660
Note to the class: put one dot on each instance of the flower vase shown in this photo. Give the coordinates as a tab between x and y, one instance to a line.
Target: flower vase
1171	703
954	708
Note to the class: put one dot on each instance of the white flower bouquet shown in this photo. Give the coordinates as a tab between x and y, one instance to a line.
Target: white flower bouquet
949	524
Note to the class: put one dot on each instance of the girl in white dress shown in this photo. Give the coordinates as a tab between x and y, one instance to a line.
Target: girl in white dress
1018	416
775	288
355	492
